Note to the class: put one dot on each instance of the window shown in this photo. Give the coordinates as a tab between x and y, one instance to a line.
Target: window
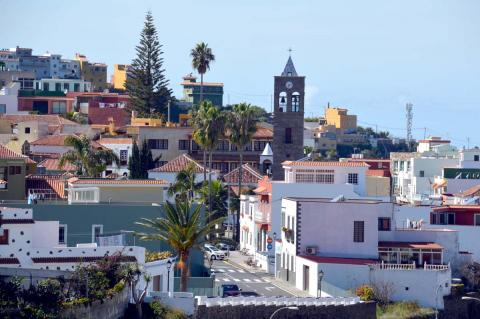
3	108
223	145
353	178
195	146
84	195
183	145
248	147
123	157
325	176
384	224
27	130
476	158
477	219
59	108
158	144
443	218
62	234
422	173
76	87
66	86
14	170
58	87
97	230
288	135
283	217
358	231
259	145
46	86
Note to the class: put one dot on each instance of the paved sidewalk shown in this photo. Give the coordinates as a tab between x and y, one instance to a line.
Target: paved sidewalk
238	260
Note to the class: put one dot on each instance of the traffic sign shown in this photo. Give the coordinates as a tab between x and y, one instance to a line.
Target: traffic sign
269	246
269	240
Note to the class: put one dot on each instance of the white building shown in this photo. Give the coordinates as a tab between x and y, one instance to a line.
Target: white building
355	242
63	85
31	244
122	147
9	99
260	215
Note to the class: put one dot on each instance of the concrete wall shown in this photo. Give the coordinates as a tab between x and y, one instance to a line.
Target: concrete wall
16	183
131	194
377	186
172	134
356	311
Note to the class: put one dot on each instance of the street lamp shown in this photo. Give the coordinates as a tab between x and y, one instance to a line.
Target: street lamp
320	277
169	266
283	308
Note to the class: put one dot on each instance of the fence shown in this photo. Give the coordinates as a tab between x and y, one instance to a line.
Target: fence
276	301
198	286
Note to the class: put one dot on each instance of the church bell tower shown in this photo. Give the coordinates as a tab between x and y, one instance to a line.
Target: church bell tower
288	115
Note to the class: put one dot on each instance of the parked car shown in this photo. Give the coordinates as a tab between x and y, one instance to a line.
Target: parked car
225	247
208	246
230	290
213	253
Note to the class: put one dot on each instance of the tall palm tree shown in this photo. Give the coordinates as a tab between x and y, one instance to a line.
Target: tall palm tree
199	122
201	57
219	195
213	128
88	160
185	186
183	229
242	124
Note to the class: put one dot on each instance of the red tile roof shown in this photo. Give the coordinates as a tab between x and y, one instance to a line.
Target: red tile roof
415	245
470	191
108	181
263	133
9	261
59	140
340	260
50	119
321	164
102	116
53	183
472	208
180	163
53	164
6	153
121	140
249	175
77	259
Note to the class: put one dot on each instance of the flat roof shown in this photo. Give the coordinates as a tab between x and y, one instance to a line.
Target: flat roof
340	260
329	200
414	245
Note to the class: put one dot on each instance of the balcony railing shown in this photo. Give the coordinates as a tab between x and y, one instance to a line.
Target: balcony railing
411	266
263	213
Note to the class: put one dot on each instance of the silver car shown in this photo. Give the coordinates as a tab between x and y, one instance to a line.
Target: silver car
213	253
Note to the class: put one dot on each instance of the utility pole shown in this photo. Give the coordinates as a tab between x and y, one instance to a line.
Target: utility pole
409	109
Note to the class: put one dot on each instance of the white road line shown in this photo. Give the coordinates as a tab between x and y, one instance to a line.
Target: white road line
226	279
231	270
241	271
219	270
217	280
246	280
257	280
236	279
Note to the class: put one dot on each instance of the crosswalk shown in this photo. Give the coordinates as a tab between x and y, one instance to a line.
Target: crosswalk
222	270
246	280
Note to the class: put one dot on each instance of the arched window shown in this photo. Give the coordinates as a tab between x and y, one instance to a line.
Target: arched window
282	101
295	102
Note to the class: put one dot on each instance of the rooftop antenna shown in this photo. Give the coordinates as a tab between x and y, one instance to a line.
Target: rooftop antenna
409	109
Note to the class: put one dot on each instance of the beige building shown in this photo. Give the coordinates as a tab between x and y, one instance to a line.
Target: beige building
119	76
95	73
340	119
378	186
116	191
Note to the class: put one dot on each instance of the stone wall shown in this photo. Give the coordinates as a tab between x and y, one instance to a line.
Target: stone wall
108	309
356	311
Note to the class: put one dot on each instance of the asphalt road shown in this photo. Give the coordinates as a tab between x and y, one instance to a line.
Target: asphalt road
250	283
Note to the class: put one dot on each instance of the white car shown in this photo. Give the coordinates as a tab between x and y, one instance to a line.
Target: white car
213	253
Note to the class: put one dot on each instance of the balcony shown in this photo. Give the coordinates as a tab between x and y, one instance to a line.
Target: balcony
262	214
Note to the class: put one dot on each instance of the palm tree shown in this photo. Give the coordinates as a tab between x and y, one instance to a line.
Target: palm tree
219	197
88	160
201	57
183	229
184	185
209	134
242	124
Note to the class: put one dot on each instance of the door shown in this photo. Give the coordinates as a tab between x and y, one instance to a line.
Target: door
41	107
306	278
157	283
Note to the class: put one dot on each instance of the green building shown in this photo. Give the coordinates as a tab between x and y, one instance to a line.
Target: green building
211	91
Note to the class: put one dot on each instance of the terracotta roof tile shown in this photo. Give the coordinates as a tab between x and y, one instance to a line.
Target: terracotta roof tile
321	164
121	140
106	181
7	153
54	183
53	164
470	191
102	116
180	163
59	140
249	175
48	118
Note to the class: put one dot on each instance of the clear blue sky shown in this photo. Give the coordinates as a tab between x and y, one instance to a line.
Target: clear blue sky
369	56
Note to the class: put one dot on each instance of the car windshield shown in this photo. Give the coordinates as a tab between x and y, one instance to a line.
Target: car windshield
230	287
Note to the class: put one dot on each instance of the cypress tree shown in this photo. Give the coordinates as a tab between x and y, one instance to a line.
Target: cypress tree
134	162
146	83
146	159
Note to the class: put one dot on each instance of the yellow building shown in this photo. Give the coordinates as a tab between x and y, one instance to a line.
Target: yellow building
340	119
119	76
95	73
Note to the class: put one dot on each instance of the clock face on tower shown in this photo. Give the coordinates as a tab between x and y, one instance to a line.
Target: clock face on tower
289	85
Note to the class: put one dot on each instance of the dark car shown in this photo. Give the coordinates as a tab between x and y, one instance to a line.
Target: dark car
225	247
231	291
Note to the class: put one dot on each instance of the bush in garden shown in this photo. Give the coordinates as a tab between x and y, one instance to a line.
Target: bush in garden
365	292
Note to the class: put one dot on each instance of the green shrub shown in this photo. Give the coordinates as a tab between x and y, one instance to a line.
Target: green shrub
75	302
163	312
365	292
403	310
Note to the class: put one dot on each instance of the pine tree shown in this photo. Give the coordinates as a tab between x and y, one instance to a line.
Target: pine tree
134	162
146	83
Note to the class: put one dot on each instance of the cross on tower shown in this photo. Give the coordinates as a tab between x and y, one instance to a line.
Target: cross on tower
290	51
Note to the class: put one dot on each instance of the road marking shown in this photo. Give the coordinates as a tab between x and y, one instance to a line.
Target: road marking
236	280
241	271
231	270
269	288
217	280
257	280
226	279
246	280
219	270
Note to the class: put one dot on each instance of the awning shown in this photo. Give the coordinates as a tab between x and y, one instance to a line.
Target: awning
413	245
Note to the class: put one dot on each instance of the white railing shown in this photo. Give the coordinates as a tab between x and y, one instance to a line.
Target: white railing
436	267
395	266
262	212
276	301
